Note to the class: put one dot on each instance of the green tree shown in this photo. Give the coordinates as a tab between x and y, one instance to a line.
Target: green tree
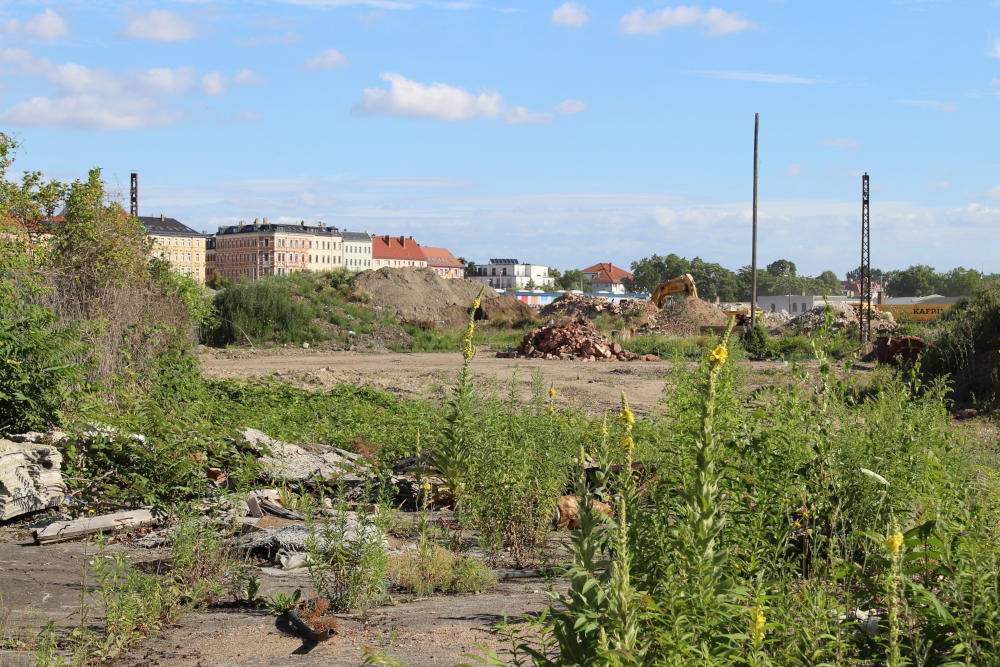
916	280
38	355
780	268
961	282
829	282
574	279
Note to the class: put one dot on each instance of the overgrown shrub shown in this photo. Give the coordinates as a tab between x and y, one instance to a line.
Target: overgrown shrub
967	346
262	310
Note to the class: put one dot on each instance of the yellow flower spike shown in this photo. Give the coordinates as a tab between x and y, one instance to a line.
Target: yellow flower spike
551	410
757	626
718	355
627	416
552	391
427	486
894	542
628	443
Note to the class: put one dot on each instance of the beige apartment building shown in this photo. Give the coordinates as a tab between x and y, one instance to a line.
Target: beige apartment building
177	244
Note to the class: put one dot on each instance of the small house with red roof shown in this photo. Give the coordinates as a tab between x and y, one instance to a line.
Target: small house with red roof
606	277
396	252
443	262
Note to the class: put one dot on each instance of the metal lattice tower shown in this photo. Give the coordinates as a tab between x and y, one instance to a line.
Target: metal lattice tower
865	312
134	195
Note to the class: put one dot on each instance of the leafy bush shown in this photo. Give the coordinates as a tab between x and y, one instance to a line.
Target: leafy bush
262	310
757	342
426	571
967	346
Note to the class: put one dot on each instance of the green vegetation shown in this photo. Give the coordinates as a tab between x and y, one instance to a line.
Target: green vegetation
967	346
824	520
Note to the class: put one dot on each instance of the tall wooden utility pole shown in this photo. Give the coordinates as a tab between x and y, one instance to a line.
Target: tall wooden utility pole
753	262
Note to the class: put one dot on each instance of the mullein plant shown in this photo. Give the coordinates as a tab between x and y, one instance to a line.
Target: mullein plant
598	621
453	457
702	516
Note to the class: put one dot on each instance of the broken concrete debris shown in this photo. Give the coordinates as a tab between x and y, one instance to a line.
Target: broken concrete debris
106	523
572	338
30	475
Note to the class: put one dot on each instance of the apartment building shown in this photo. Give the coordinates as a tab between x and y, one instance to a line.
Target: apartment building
263	248
177	244
396	252
443	262
357	251
512	274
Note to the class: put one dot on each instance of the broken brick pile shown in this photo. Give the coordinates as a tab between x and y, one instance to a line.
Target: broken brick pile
572	338
589	306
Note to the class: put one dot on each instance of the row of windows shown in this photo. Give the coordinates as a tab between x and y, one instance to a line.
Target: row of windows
178	256
170	240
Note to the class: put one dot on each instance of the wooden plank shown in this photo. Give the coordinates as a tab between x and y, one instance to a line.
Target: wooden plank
108	523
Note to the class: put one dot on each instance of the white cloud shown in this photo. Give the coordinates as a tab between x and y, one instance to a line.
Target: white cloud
995	51
715	21
328	59
74	78
87	112
10	27
159	25
213	84
944	107
289	37
758	77
47	25
570	107
570	14
793	170
994	192
440	101
247	77
166	81
841	143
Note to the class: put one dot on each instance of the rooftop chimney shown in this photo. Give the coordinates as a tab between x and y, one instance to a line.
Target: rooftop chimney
303	224
162	218
265	221
321	225
134	195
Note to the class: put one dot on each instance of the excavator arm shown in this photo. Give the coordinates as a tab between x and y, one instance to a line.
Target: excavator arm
676	285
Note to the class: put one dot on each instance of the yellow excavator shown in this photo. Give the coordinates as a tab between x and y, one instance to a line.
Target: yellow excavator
676	285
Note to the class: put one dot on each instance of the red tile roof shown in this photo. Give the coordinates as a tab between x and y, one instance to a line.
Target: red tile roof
440	257
396	247
606	272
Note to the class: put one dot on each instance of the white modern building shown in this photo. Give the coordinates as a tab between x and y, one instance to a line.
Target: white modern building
512	274
796	304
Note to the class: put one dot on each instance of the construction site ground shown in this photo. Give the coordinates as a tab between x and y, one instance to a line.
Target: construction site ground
593	386
42	584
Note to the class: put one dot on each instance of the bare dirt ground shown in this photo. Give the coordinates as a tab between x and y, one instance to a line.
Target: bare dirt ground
593	386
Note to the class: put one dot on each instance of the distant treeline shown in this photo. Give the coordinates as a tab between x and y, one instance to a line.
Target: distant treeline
780	277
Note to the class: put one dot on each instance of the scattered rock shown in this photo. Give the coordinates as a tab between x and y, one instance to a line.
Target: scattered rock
270	545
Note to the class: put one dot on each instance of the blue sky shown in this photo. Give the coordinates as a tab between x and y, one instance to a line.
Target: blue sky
560	133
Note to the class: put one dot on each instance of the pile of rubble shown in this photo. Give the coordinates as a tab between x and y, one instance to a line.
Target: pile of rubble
683	316
844	317
586	305
572	338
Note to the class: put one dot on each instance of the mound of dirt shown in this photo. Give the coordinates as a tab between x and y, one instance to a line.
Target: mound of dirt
571	338
684	317
845	316
416	295
502	310
589	306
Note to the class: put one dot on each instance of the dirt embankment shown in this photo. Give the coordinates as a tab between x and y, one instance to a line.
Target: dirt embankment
416	295
421	296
